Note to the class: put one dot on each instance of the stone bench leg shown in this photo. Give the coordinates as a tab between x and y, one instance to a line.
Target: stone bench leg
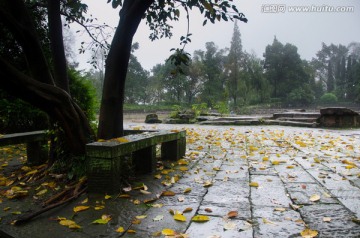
104	174
37	152
144	160
173	150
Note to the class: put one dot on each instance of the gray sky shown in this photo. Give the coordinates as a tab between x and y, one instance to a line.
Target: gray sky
266	18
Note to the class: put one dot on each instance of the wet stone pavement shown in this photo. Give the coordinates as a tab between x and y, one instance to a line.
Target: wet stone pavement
247	181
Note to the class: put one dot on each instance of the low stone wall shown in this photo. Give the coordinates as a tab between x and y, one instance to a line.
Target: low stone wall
339	117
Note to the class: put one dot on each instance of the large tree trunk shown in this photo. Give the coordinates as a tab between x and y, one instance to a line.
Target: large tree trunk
57	45
111	112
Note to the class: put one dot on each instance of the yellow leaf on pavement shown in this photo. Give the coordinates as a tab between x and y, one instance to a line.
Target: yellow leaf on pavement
207	183
200	218
120	229
188	209
103	220
168	193
69	223
314	198
168	232
99	207
254	184
84	201
308	233
179	217
80	208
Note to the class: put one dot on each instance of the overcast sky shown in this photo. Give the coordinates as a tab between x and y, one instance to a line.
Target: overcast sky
306	30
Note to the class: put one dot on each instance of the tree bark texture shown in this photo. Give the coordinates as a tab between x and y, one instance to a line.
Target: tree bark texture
57	45
111	111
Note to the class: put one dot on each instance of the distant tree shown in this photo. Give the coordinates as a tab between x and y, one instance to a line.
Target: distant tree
156	89
137	81
353	72
330	68
286	71
234	66
256	78
212	61
273	66
194	82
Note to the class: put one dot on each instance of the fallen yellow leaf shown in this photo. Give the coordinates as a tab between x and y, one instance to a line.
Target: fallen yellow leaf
314	198
103	220
254	184
200	218
179	217
42	192
99	207
69	223
308	233
350	166
188	209
84	201
121	140
168	193
168	232
80	208
120	229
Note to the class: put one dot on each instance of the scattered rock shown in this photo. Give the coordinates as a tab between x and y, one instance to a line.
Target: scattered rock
152	118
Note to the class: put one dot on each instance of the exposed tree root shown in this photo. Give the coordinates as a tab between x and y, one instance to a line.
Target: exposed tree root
57	200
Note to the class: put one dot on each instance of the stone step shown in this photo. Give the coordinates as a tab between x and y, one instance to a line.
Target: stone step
298	119
259	122
296	115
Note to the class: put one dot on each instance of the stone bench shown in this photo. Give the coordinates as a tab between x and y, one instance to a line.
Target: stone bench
106	159
36	145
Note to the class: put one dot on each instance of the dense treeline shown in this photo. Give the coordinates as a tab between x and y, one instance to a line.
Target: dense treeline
236	78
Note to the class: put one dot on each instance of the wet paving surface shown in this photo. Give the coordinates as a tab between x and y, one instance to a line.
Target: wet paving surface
247	181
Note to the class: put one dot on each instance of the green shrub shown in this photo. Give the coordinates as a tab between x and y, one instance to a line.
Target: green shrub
198	109
300	97
84	94
328	98
19	116
222	108
176	110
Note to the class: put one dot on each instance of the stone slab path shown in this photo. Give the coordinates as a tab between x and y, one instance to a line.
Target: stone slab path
246	181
